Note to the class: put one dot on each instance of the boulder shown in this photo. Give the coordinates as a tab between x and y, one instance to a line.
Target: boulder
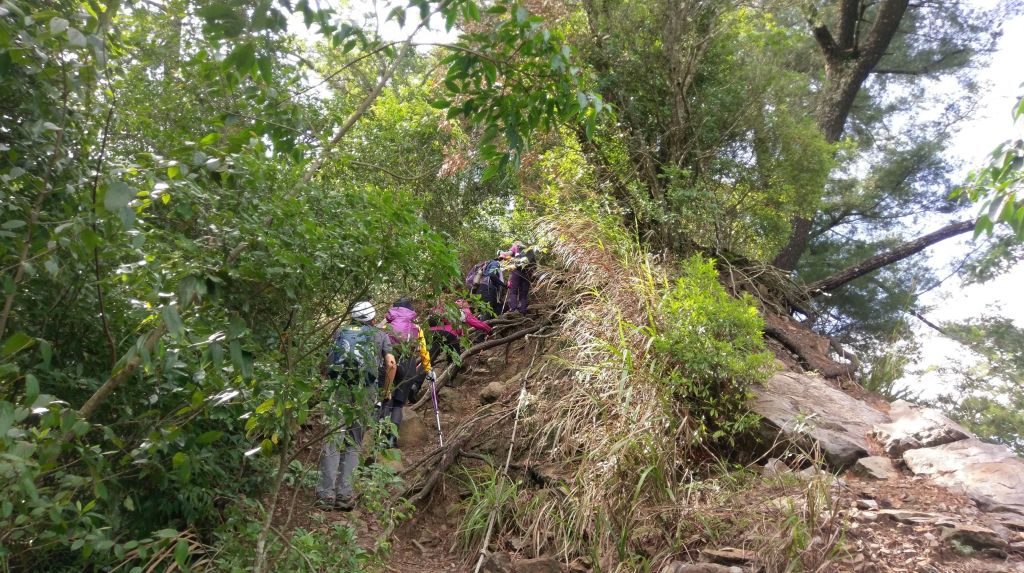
990	474
974	536
491	392
912	428
875	467
412	431
538	565
807	410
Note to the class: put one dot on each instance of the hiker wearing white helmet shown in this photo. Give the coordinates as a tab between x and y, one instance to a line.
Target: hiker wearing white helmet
357	354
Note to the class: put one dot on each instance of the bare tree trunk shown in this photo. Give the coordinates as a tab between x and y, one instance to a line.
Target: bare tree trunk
899	253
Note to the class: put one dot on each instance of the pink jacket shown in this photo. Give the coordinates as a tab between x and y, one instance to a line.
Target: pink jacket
467	318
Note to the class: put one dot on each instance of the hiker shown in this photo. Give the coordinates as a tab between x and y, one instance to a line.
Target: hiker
487	281
523	260
413	360
354	363
446	334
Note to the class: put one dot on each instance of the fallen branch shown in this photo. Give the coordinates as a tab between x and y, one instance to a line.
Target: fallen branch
103	392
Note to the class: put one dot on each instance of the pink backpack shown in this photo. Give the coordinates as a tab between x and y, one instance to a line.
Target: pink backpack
402	327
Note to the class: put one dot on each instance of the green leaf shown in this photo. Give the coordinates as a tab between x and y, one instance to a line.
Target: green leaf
265	406
15	343
76	39
209	437
179	459
117	196
209	138
173	320
181	554
13	224
521	14
31	388
173	171
266	68
58	25
242	58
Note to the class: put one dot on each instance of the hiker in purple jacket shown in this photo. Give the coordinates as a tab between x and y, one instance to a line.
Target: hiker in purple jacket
413	359
523	261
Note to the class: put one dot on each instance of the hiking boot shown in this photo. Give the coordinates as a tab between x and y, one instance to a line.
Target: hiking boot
325	503
345	503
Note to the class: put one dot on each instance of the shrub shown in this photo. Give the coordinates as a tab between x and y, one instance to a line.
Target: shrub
712	347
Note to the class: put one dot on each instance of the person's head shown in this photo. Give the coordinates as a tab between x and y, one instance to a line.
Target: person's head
363	312
404	302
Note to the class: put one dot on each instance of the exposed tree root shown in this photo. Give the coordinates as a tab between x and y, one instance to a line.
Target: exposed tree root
810	347
450	371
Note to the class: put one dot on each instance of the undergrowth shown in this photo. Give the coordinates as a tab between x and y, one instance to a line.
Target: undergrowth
646	415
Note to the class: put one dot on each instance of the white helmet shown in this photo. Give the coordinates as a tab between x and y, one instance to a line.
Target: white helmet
363	312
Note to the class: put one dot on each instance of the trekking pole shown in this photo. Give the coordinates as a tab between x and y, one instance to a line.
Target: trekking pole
437	412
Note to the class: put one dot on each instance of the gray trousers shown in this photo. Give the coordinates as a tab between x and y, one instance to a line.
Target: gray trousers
338	461
339	455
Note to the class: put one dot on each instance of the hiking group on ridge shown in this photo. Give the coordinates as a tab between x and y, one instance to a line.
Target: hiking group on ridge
376	369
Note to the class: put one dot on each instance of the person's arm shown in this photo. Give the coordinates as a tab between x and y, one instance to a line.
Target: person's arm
476	323
424	352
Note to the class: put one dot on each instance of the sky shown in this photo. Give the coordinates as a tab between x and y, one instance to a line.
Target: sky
991	125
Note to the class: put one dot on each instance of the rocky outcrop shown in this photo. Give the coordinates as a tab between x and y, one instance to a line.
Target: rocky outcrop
875	467
913	428
805	408
989	474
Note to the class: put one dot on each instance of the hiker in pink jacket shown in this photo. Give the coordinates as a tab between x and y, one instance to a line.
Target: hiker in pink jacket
446	335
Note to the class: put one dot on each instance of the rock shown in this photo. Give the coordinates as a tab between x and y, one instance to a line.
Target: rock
446	395
806	409
875	467
912	428
728	556
974	536
990	474
680	567
412	431
775	467
497	563
868	504
538	565
492	392
911	517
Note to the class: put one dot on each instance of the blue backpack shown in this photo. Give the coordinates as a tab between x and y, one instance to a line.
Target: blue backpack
354	350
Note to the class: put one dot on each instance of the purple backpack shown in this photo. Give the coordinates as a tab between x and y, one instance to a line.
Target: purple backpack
476	274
